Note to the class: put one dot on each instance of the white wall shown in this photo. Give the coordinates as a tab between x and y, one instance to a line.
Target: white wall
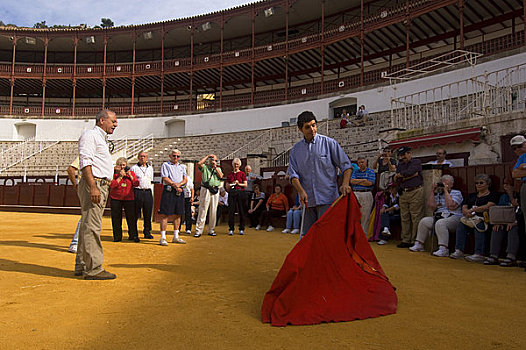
376	100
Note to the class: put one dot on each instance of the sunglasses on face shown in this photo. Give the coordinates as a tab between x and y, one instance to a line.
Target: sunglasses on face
175	156
515	147
480	183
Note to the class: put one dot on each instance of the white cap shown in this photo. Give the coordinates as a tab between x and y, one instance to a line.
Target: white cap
517	140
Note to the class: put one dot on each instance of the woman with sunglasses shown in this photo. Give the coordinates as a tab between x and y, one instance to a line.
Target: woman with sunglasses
473	210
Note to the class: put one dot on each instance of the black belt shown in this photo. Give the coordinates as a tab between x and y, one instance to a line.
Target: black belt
362	190
143	189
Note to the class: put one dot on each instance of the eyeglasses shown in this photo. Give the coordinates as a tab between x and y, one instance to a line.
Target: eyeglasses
480	183
175	156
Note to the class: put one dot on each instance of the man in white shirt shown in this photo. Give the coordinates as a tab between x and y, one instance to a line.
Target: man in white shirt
143	192
173	175
441	158
93	189
188	191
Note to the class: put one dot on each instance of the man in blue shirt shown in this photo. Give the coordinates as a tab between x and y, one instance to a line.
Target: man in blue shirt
362	182
313	167
518	144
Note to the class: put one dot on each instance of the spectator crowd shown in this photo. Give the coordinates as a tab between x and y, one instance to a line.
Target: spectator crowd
390	194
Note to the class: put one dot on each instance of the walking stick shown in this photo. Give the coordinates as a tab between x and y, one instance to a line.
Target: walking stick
302	220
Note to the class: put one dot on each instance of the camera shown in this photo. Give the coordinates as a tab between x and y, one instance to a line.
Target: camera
126	168
439	188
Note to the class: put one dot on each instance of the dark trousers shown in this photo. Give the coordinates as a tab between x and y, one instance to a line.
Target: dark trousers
144	203
236	200
116	218
187	214
268	215
220	210
256	216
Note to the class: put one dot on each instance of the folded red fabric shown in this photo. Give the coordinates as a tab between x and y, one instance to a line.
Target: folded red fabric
331	275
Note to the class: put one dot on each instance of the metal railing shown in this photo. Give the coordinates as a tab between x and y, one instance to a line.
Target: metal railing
22	151
259	144
131	148
488	94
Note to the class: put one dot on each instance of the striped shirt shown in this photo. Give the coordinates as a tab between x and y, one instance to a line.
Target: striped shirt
367	174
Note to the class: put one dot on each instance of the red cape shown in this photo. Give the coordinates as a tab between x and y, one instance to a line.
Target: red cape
332	274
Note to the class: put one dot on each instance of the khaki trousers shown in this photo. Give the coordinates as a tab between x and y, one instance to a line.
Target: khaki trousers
89	251
366	200
411	211
207	203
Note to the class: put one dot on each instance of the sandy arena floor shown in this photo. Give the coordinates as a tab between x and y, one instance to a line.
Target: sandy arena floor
207	294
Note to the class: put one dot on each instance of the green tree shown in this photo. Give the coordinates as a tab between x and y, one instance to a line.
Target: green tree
40	25
106	23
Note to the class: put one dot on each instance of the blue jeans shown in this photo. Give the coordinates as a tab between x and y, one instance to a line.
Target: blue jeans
312	214
75	240
480	237
386	220
293	219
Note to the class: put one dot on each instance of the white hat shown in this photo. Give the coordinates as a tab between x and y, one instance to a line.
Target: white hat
517	140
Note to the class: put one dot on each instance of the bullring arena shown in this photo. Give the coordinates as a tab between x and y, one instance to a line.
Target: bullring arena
448	74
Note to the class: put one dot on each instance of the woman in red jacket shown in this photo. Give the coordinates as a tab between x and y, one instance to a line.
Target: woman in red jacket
121	195
277	205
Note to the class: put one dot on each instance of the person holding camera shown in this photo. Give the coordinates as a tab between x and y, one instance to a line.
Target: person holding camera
385	166
446	205
474	208
173	175
211	175
236	183
122	196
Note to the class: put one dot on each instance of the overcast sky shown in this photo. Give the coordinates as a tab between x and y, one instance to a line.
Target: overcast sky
122	12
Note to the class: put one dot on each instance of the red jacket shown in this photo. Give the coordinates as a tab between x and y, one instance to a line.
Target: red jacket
123	190
278	202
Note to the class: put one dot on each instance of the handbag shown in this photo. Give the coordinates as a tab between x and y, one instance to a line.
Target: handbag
502	215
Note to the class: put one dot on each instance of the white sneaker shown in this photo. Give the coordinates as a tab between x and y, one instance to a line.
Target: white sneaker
258	227
178	240
230	233
475	258
286	231
442	252
386	232
188	232
295	231
382	242
417	247
72	248
270	228
163	241
457	254
241	232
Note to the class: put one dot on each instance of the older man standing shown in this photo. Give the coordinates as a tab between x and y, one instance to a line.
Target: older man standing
173	176
209	196
143	192
409	176
93	189
362	182
312	168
